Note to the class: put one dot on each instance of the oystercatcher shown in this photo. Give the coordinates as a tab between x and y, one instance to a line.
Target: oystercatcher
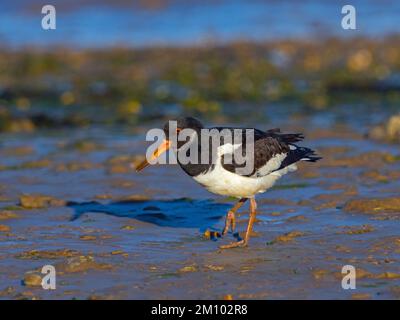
272	154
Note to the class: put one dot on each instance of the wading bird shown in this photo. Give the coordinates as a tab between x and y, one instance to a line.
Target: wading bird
271	153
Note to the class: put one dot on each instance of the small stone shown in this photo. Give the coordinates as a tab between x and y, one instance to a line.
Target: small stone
4	228
40	201
88	237
82	264
192	268
6	214
128	227
32	279
388	275
117	252
287	237
214	267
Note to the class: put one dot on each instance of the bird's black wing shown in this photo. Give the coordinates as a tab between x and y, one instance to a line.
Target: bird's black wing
267	152
256	149
296	153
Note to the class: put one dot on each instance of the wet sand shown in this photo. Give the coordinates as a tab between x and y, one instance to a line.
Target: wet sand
71	199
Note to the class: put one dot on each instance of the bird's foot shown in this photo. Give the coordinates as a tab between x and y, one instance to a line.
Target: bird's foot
212	235
236	244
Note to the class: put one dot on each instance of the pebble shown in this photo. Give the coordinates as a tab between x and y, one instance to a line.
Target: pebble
4	228
32	279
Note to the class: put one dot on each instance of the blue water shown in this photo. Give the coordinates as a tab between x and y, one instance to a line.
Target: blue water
104	23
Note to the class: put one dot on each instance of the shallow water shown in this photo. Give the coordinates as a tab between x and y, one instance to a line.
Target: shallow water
82	24
145	231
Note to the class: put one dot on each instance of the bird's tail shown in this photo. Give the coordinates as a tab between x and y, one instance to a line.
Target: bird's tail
299	154
308	154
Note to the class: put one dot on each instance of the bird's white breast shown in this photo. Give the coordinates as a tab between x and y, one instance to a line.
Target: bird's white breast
223	182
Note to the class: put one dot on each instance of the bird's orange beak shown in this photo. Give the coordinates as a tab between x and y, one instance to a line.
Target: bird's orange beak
165	145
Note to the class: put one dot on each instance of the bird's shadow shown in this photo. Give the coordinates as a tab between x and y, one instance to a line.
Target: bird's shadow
178	213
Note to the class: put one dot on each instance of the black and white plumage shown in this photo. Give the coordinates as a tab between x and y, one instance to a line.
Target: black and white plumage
273	155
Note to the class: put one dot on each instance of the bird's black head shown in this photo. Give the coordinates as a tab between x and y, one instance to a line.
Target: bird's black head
182	123
171	130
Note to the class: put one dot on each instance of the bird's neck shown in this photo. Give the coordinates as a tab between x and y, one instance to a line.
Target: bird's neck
189	157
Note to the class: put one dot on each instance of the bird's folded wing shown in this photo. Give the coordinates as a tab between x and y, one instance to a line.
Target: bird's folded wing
262	156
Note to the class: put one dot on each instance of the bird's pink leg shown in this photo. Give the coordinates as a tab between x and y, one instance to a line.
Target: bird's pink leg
230	220
244	242
253	212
